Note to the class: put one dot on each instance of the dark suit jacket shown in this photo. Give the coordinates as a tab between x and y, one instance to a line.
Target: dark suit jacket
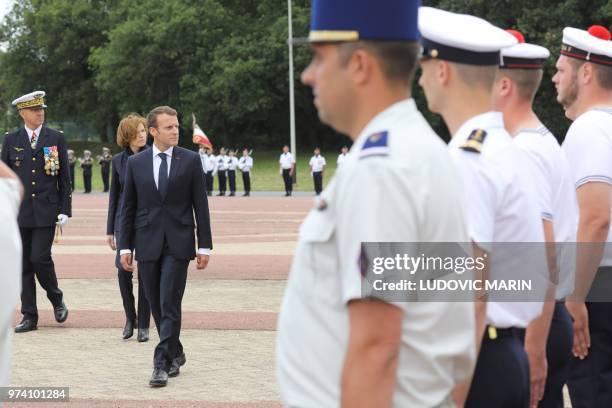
46	196
148	221
115	195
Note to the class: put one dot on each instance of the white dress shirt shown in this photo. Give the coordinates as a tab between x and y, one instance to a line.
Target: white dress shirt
317	163
37	131
286	161
156	163
232	163
245	163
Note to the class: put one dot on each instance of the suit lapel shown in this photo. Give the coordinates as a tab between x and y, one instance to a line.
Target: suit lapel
24	140
174	166
41	138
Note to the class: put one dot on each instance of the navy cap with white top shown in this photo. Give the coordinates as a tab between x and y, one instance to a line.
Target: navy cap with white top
461	38
593	45
355	20
523	55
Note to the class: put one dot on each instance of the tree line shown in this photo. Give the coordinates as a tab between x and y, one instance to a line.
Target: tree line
224	60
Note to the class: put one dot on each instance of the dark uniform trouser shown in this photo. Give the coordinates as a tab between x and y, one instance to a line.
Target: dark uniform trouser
105	176
210	181
288	181
164	282
87	179
37	262
231	176
246	180
317	177
590	380
222	181
501	378
72	176
559	355
126	288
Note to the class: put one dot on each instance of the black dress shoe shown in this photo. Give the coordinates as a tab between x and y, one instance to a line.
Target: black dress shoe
26	325
232	194
128	329
159	378
175	368
61	313
143	335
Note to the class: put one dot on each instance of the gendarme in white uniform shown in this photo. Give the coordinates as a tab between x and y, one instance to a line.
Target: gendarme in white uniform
588	147
406	190
556	197
245	164
501	209
341	159
317	163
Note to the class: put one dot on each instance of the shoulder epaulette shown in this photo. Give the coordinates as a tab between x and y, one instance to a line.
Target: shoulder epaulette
474	141
377	144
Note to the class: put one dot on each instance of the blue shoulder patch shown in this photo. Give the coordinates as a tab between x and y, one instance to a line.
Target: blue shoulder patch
377	144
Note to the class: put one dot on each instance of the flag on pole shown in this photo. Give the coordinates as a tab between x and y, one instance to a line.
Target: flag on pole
199	137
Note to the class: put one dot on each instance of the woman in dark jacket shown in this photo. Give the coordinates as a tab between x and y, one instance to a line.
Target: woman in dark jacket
132	136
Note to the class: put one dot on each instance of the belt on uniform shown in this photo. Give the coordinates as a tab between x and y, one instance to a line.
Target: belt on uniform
493	333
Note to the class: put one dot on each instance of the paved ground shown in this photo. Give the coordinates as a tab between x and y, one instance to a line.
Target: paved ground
229	309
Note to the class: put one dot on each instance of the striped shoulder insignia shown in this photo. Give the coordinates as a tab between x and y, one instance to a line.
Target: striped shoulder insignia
377	144
474	141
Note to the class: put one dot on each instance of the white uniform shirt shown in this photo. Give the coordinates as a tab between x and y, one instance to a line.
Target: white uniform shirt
411	194
501	208
10	278
222	162
211	163
245	164
317	163
286	160
232	163
204	160
588	147
341	159
556	197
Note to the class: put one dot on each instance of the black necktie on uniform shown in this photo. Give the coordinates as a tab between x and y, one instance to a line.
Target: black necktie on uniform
162	179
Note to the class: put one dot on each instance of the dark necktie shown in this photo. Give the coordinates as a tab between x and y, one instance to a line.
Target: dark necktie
162	179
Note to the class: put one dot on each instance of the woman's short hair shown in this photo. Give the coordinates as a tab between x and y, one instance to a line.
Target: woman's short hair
128	129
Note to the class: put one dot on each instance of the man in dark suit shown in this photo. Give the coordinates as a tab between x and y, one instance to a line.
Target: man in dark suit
164	188
38	155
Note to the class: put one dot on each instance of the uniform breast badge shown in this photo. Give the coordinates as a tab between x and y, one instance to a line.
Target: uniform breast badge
51	160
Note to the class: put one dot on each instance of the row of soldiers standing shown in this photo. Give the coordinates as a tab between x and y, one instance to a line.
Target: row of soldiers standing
224	166
86	163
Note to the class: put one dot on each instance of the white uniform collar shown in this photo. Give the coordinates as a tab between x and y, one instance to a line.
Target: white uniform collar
380	122
487	120
156	151
37	130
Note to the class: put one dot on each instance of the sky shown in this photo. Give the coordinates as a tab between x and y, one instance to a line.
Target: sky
5	7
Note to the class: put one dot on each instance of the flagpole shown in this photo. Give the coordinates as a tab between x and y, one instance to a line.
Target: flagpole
291	96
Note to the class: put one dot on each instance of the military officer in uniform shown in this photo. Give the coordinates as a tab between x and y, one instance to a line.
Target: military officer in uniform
245	164
287	169
341	157
548	339
459	64
105	163
232	164
87	164
336	346
210	171
38	155
584	88
71	162
222	166
317	167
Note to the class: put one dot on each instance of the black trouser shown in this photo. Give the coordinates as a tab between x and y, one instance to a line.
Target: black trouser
317	177
558	355
72	176
105	175
87	179
231	176
288	180
501	378
246	180
126	288
590	380
164	281
37	262
222	181
210	181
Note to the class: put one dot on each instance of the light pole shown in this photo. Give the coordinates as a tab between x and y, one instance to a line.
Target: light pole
291	96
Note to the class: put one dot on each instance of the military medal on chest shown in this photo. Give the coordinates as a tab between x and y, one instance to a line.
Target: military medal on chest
51	160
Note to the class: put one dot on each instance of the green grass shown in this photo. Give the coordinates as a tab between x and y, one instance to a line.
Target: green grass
264	175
